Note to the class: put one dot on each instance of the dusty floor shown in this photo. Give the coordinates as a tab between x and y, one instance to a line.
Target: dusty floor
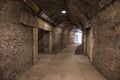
63	66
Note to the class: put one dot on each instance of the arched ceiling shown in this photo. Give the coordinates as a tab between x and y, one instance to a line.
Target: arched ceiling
78	11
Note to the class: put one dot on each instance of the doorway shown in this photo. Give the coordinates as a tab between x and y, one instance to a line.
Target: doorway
78	36
44	41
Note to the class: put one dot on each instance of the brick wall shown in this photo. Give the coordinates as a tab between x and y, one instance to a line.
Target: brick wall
15	40
106	55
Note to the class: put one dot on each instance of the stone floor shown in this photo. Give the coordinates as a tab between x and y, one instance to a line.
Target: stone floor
63	66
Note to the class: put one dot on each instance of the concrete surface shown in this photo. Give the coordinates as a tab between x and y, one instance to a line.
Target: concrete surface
63	66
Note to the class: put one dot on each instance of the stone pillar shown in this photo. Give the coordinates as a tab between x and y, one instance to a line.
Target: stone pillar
50	44
85	42
71	37
91	44
35	45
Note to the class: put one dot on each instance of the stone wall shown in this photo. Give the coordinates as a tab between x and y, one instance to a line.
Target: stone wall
71	37
65	37
15	40
61	37
106	55
41	40
57	32
44	41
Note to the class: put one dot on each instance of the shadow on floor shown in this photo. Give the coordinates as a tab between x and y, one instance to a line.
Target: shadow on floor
79	50
59	49
54	52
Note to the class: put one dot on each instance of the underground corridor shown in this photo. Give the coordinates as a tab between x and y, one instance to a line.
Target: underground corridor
59	39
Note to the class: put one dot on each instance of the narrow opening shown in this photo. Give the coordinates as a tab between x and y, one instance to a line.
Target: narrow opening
78	36
43	41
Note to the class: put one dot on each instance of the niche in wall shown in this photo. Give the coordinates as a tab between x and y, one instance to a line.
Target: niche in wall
43	41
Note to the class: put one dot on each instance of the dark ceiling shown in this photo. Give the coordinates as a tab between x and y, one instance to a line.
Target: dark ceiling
78	11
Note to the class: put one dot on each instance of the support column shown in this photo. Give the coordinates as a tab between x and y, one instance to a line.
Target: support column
35	45
91	44
50	43
85	42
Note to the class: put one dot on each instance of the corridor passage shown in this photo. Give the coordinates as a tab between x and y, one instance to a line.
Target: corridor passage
63	66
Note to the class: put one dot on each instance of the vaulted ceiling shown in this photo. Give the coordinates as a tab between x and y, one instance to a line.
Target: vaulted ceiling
78	11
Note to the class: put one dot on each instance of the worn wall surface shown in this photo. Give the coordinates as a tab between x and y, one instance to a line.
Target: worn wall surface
15	40
71	37
41	40
57	32
61	37
44	41
106	55
65	37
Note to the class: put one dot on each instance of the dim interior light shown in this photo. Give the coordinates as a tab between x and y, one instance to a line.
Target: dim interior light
64	12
